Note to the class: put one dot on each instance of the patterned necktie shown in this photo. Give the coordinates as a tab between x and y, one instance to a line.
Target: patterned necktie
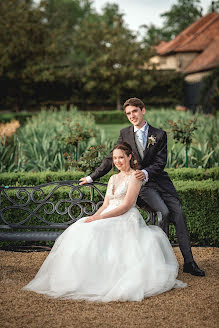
141	138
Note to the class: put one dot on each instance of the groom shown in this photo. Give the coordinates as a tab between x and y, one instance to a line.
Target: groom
149	146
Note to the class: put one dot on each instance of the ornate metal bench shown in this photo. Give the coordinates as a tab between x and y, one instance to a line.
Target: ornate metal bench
37	204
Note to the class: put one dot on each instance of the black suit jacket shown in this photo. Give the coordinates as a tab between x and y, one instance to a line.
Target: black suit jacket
154	160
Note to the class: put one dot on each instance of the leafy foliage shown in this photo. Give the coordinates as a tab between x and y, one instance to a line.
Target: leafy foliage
40	143
28	50
63	52
28	46
76	133
178	18
89	160
112	55
34	178
7	156
210	86
183	132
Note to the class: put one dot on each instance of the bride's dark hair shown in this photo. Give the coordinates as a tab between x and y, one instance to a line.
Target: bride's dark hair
128	151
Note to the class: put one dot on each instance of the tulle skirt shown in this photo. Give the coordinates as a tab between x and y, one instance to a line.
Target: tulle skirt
114	259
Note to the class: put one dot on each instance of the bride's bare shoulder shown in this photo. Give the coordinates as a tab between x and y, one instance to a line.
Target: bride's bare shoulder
112	177
134	179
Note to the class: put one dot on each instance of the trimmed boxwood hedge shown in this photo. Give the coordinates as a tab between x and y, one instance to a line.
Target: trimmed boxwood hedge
109	117
20	116
193	173
200	201
35	178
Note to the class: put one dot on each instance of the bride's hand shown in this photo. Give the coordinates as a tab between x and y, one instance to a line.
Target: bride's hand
92	218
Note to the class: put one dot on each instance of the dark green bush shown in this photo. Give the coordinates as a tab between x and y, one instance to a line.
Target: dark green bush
109	117
200	201
21	117
35	178
193	173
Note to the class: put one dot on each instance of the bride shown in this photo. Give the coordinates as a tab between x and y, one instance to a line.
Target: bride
112	255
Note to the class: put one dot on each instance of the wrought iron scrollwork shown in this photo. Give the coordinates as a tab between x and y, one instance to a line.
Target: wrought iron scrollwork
39	202
33	199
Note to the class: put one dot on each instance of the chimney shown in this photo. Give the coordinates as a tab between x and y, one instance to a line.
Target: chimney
212	7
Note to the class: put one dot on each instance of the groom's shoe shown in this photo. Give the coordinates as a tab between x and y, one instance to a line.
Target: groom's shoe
193	268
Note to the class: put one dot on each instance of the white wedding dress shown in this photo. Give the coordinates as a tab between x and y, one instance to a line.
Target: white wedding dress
114	259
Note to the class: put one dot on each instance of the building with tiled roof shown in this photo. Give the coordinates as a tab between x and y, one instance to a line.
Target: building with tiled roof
195	51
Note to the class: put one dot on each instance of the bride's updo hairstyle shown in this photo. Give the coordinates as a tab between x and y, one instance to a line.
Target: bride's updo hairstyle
124	146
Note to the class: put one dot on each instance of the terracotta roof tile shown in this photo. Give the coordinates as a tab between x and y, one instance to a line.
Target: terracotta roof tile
160	45
196	37
208	59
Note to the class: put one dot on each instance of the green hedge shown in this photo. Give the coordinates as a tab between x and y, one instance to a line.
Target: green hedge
200	201
21	117
109	117
30	178
193	174
36	178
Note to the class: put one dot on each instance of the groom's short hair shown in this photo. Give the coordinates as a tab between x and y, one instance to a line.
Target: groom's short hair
134	102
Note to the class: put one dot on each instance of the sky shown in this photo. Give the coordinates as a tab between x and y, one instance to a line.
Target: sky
141	12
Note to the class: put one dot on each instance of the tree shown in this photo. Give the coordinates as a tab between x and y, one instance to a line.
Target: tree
27	47
112	55
36	46
153	36
180	16
28	50
177	19
67	15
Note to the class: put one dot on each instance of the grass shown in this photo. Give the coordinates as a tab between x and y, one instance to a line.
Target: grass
111	131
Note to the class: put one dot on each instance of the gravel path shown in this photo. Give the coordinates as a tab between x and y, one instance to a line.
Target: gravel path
194	306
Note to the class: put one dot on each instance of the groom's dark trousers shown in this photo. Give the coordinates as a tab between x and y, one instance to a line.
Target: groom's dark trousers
169	206
159	192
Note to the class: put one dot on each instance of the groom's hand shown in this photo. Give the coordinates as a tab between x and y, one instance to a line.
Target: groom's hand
83	181
140	175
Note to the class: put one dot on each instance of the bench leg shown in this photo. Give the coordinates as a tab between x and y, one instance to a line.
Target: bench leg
155	218
164	225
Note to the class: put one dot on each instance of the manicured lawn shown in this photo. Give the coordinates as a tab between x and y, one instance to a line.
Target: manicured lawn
112	130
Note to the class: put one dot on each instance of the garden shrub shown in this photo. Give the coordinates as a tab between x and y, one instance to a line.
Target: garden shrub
193	173
21	117
200	202
41	143
109	117
35	178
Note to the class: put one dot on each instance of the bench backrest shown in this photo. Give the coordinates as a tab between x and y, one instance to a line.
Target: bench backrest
32	206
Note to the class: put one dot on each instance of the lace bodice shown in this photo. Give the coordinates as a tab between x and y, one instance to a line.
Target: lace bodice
117	188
